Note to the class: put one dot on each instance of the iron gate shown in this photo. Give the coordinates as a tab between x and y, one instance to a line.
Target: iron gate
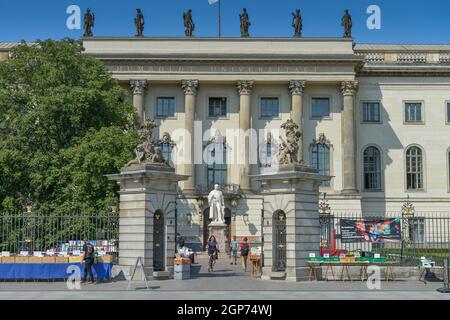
279	230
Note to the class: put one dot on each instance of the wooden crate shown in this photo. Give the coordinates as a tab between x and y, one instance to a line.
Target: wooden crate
21	259
48	259
8	260
61	259
35	260
76	259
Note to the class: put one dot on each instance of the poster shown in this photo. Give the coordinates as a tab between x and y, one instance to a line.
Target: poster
374	231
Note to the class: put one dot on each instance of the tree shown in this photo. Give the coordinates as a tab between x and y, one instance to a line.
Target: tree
65	123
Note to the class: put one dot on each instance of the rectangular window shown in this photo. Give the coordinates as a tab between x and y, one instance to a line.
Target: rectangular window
270	107
448	112
417	230
320	108
413	112
217	107
371	112
165	107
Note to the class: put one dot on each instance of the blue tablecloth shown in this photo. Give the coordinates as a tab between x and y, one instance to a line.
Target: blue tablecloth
48	271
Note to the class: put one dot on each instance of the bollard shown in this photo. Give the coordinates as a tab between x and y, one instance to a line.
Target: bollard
445	288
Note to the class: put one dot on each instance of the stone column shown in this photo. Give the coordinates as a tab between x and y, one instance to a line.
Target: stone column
138	87
296	88
245	88
190	88
349	89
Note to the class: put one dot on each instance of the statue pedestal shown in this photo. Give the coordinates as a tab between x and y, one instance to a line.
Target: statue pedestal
220	231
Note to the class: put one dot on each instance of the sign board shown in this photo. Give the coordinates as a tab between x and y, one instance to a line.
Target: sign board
373	231
24	253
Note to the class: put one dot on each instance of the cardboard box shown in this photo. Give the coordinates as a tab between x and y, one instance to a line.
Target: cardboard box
48	259
21	259
35	260
76	259
8	260
61	259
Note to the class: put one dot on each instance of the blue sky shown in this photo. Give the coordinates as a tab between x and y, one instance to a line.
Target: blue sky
413	21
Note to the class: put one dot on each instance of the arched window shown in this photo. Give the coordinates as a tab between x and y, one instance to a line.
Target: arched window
320	158
414	168
372	169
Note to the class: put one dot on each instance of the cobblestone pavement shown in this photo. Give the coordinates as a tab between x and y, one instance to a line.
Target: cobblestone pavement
226	282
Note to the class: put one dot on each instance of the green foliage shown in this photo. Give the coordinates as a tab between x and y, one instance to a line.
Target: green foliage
64	124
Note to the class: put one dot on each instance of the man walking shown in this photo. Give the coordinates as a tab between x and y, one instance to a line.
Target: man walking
88	259
233	250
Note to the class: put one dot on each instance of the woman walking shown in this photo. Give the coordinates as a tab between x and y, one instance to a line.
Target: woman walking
245	250
213	252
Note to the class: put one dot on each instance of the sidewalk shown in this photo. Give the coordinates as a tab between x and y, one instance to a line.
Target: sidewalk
226	282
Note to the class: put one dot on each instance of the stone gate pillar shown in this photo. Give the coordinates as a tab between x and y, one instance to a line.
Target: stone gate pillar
148	193
291	199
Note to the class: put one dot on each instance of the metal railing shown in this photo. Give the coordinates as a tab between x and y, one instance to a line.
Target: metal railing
423	234
58	233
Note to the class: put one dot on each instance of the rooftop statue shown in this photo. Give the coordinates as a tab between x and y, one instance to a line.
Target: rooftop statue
148	151
347	24
189	25
139	23
297	23
89	20
288	150
245	24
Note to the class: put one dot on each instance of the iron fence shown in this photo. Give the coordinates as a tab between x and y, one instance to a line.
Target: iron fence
423	234
59	233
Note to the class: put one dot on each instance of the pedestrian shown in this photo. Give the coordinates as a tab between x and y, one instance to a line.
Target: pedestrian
179	242
213	252
233	250
88	260
245	250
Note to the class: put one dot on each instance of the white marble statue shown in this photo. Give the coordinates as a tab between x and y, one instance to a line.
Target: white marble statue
216	205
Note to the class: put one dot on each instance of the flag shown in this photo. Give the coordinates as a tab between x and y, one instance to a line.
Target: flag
212	1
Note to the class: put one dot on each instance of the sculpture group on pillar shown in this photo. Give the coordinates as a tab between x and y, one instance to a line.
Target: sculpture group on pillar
189	25
245	24
148	151
289	148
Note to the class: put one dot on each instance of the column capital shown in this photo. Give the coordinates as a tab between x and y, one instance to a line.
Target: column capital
297	87
245	87
190	87
349	88
138	86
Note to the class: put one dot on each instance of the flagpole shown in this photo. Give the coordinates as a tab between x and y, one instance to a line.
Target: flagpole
219	20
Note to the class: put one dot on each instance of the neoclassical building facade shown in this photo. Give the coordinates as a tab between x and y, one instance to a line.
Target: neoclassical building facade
376	118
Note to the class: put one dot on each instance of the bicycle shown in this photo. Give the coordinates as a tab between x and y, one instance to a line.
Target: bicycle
212	261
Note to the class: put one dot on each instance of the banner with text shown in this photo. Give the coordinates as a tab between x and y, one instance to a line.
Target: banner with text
374	231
